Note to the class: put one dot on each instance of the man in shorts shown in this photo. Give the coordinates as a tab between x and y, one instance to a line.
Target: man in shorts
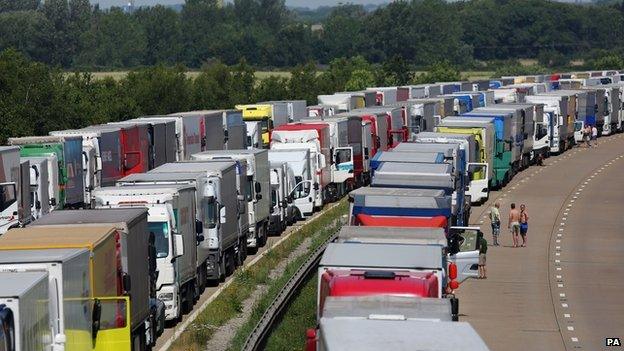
495	221
482	252
514	224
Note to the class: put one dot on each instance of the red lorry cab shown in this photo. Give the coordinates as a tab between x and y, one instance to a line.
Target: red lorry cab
135	149
377	282
410	222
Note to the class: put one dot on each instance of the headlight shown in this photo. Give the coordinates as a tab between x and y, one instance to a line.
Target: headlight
166	296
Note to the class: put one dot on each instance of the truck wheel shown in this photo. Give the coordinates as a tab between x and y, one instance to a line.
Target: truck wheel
222	269
231	262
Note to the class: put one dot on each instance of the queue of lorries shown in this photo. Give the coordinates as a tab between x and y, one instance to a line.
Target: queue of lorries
109	231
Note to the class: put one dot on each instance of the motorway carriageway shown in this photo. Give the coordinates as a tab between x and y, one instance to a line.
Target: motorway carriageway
563	291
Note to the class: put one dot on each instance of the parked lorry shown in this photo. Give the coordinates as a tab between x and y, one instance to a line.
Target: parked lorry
379	130
613	106
259	183
162	139
345	142
24	314
104	279
314	137
477	172
216	204
236	130
378	333
343	102
14	189
68	152
270	116
297	109
137	255
282	185
384	95
135	146
301	165
171	217
213	130
508	132
189	131
486	145
39	186
419	115
400	207
68	293
407	157
254	135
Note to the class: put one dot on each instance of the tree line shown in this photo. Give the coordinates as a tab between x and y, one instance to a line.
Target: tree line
74	34
36	98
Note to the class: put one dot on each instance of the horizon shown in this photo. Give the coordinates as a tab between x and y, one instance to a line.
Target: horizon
290	3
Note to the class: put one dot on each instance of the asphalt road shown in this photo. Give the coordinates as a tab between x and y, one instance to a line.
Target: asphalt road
171	333
563	291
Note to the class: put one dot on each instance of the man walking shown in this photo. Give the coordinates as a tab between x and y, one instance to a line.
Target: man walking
524	224
594	135
495	221
483	246
514	224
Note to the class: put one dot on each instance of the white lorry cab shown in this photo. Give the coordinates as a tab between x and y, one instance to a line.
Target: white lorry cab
301	193
171	217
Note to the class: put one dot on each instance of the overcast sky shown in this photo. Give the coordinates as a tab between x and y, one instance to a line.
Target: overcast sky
306	3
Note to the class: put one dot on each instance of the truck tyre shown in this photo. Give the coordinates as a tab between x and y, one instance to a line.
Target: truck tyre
231	262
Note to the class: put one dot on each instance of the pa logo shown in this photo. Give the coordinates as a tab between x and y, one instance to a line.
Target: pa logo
613	342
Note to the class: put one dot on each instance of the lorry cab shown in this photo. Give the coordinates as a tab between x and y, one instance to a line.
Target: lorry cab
268	115
39	186
302	191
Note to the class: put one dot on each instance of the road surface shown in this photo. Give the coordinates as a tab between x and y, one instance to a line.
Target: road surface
564	290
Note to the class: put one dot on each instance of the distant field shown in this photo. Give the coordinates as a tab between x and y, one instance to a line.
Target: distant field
471	75
191	74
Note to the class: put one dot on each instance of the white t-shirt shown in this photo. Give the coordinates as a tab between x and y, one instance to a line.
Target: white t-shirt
594	131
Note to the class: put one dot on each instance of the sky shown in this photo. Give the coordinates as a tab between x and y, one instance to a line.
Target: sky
302	3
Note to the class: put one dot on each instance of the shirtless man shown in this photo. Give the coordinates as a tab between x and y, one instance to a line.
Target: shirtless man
514	224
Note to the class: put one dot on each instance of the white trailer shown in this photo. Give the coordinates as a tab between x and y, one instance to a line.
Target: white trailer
171	217
14	189
300	164
254	134
68	291
216	212
258	188
39	186
282	208
24	315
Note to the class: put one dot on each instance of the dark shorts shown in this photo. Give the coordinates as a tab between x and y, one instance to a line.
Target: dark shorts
524	228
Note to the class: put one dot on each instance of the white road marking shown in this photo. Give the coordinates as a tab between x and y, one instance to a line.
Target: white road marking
558	240
574	339
567	315
557	253
560	285
558	268
561	295
557	261
558	248
558	276
564	218
570	328
564	305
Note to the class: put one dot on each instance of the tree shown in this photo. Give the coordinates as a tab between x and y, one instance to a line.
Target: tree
163	34
610	61
272	88
439	72
27	32
360	80
159	90
18	5
394	71
243	83
302	84
211	89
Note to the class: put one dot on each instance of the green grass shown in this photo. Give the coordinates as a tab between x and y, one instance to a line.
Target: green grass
298	317
117	75
321	230
229	303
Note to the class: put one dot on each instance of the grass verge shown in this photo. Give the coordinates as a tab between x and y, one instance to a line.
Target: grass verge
298	317
229	303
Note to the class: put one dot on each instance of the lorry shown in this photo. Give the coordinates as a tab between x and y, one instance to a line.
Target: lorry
407	157
212	128
21	251
14	189
162	139
216	204
379	129
397	130
400	207
384	95
24	312
315	138
68	152
235	129
477	172
561	126
345	141
343	102
270	116
297	109
68	291
282	185
189	131
613	107
508	132
171	218
398	334
419	116
254	135
258	180
135	146
302	192
137	255
39	186
483	133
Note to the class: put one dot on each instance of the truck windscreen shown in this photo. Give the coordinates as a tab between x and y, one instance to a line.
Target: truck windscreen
161	236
